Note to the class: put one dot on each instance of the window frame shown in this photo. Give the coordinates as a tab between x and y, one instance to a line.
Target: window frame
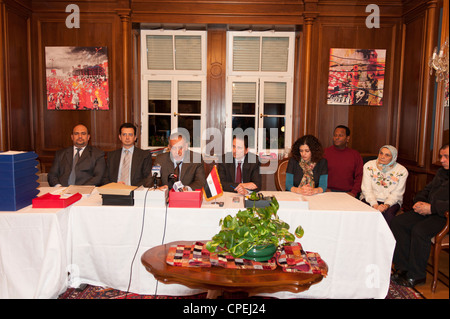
174	80
174	76
262	77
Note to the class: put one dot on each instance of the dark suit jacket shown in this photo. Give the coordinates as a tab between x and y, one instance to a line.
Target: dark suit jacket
89	169
192	174
250	171
141	166
436	193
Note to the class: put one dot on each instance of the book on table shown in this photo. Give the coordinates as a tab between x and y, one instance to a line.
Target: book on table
116	189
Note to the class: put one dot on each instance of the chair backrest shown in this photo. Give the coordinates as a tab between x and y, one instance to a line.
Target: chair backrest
369	158
280	174
441	238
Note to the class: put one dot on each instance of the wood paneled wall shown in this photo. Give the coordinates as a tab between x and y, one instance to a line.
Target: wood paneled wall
407	31
54	127
371	126
216	79
16	113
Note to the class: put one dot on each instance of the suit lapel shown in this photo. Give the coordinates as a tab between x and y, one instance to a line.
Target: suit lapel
84	155
246	170
115	163
185	166
134	161
232	170
69	157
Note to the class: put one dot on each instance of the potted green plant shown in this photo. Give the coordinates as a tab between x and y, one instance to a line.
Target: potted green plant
252	230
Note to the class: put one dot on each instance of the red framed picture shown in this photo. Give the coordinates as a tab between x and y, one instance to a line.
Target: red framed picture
77	78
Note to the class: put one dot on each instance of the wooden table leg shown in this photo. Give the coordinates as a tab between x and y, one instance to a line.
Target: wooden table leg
214	294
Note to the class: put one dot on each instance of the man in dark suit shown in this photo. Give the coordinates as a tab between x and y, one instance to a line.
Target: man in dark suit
239	170
414	229
80	164
129	165
180	164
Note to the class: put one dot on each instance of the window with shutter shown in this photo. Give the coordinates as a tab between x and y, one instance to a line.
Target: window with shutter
173	90
259	87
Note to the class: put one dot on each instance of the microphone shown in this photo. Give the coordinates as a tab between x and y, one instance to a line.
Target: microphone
171	180
178	186
156	172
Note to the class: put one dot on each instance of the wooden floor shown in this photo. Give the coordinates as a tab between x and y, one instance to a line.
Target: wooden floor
442	288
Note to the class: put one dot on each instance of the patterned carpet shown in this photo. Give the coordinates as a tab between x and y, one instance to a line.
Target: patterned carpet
93	292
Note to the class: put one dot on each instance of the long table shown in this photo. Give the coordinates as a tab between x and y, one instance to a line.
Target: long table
105	244
33	252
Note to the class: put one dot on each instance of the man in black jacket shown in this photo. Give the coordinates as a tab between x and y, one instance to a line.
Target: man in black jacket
413	230
239	170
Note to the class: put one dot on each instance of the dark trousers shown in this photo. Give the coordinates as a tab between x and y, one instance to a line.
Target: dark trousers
389	213
413	233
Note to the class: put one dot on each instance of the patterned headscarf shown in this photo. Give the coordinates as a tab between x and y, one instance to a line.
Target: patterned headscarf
387	167
308	176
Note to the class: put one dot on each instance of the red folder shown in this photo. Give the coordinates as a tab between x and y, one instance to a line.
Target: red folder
185	199
55	201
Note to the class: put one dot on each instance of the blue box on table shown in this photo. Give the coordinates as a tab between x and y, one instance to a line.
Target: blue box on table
18	179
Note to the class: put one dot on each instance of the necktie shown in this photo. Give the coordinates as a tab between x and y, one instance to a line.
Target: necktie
125	172
177	171
72	176
238	174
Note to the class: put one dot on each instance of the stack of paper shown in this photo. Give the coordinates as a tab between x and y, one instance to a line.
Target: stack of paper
150	197
18	179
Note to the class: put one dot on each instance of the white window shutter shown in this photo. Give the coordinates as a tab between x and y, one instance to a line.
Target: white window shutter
275	92
188	52
189	91
244	92
246	52
275	54
159	90
159	52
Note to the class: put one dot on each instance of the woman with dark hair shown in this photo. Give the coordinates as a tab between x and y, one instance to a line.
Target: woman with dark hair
307	171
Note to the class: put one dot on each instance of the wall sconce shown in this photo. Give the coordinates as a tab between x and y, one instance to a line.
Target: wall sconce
439	63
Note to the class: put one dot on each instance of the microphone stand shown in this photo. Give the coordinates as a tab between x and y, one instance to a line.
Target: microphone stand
155	180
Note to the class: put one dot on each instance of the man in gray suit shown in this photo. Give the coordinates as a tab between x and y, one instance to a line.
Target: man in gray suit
180	164
79	164
129	165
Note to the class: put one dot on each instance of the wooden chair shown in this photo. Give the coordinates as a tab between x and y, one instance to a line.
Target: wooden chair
437	243
280	174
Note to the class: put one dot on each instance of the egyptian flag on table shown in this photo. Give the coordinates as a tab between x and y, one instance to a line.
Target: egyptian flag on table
213	187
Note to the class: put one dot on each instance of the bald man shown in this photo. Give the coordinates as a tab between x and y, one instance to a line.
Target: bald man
79	164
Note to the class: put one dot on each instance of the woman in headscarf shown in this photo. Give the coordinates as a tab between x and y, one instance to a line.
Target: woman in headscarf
307	170
383	183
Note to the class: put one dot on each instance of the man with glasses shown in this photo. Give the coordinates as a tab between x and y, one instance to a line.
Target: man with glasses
179	165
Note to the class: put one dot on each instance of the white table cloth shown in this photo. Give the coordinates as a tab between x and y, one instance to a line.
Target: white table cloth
351	237
33	248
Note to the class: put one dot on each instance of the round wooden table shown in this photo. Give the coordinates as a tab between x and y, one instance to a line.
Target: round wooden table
218	279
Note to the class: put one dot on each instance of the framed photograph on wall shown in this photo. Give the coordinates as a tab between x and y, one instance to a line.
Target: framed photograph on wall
77	78
356	77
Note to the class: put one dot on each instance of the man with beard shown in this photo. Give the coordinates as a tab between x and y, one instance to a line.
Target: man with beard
79	164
